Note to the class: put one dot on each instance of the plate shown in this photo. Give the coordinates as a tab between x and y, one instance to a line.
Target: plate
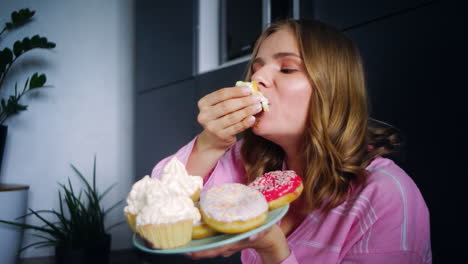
214	241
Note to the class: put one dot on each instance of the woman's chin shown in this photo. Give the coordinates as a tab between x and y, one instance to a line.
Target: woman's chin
260	128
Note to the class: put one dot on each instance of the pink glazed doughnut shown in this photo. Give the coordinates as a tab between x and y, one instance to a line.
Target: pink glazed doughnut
279	187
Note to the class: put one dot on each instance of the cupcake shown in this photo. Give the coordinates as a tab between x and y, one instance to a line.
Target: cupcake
136	200
166	221
176	178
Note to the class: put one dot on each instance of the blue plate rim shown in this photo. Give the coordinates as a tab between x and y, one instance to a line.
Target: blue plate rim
229	240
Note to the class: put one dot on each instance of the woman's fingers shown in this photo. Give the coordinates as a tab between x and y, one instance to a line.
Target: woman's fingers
228	106
228	250
239	126
227	254
227	112
222	95
216	127
236	117
211	253
233	123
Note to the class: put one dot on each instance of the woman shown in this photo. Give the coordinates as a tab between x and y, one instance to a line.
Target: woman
357	207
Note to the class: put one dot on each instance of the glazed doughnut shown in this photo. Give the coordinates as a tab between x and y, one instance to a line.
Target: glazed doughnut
200	229
279	187
233	208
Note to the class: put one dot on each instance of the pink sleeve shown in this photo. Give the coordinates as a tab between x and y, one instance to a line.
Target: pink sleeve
401	257
229	167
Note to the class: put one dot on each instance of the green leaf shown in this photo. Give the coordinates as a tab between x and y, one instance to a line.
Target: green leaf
37	81
84	180
42	42
27	226
50	45
94	174
42	243
12	106
44	237
107	191
6	56
113	206
19	18
27	45
57	233
38	211
18	48
36	41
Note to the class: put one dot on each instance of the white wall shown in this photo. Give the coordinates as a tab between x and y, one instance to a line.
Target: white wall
208	35
87	111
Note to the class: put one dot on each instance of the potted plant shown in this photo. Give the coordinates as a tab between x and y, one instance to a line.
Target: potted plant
79	234
10	97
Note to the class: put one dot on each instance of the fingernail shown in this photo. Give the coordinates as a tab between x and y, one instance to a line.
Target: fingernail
246	90
250	119
257	98
258	107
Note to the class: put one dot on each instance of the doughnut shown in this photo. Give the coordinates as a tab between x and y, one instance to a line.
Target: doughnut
233	208
201	229
279	187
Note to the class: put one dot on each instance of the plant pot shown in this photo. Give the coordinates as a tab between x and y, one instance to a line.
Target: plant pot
3	135
98	252
13	203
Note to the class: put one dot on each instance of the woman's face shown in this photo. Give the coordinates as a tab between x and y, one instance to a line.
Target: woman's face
281	75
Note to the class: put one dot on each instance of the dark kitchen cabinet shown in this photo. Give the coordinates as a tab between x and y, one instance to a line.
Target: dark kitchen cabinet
164	123
344	14
165	42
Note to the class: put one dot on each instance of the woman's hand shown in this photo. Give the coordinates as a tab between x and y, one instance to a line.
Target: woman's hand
270	244
225	113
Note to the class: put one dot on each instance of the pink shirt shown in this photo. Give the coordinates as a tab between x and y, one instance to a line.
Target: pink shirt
386	222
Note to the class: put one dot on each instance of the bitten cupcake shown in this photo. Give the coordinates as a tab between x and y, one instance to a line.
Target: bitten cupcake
136	200
167	221
176	178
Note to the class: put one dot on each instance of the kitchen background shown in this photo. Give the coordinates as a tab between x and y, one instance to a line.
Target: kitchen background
126	76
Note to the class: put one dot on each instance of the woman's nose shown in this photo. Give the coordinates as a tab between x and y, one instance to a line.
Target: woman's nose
262	77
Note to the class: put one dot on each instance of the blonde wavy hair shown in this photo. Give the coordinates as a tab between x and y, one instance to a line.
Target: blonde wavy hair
339	142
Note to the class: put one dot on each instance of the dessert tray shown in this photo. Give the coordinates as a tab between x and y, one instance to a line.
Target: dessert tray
216	240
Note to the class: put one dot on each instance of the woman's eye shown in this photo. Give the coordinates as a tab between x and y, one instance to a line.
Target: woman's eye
288	70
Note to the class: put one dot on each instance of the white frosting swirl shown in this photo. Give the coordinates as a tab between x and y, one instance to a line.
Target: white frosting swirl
171	208
136	198
176	178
